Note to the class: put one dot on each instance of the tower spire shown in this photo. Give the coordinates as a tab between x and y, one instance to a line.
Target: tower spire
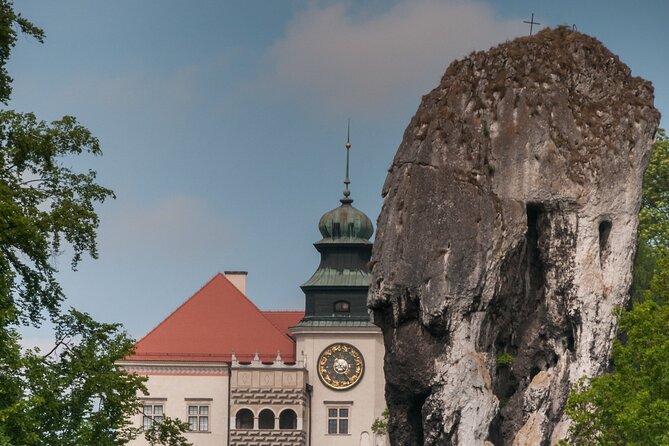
346	199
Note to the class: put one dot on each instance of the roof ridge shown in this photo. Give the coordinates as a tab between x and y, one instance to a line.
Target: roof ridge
180	306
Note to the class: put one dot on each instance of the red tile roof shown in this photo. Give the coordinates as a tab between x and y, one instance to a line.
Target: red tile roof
215	322
283	320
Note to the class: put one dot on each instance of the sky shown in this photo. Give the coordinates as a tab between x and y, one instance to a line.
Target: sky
223	123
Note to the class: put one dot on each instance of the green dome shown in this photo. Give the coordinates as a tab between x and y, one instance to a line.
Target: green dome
345	224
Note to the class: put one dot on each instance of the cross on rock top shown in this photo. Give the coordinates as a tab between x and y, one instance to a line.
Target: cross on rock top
531	23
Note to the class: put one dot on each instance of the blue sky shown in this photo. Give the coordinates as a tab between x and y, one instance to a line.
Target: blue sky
223	122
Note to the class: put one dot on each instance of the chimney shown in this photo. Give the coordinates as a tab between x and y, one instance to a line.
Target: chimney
238	279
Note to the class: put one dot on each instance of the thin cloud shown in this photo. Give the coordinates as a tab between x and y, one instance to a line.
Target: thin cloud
129	96
330	59
179	226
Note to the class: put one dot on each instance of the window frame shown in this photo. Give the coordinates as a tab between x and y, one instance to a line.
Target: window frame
148	419
338	418
199	416
346	310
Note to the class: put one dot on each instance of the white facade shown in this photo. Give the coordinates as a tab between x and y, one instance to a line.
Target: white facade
224	389
177	386
365	401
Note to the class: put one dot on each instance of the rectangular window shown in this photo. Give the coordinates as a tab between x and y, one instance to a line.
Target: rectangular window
153	413
198	418
338	418
332	426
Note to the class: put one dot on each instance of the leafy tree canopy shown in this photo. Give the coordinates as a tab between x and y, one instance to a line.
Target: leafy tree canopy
631	405
11	24
651	269
654	214
74	394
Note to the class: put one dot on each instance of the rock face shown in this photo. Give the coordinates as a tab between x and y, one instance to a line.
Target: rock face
507	238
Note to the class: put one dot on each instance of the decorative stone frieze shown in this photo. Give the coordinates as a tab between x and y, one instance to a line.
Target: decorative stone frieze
268	396
175	368
267	438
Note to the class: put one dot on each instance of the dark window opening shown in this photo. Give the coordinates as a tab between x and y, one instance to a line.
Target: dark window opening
266	419
244	419
288	419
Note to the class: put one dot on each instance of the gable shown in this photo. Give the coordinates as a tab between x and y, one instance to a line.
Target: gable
215	322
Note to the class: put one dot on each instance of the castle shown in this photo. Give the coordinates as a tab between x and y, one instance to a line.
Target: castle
242	376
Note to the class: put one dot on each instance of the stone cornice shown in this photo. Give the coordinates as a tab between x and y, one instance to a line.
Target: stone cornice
174	368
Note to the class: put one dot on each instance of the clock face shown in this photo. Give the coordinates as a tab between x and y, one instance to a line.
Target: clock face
341	366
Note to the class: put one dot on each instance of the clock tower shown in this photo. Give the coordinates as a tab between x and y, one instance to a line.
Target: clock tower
342	350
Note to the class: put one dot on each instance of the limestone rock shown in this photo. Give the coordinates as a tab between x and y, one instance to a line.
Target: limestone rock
508	230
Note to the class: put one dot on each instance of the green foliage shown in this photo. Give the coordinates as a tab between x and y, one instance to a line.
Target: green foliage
654	214
631	405
10	24
74	394
651	266
645	267
42	204
380	425
167	432
504	360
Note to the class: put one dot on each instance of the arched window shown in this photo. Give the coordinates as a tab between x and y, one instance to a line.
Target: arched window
288	419
244	419
266	419
342	307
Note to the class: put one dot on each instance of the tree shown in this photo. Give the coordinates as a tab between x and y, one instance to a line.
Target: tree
380	425
654	214
74	394
11	24
651	267
630	405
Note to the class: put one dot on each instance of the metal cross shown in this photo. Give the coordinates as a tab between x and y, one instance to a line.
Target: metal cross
532	23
